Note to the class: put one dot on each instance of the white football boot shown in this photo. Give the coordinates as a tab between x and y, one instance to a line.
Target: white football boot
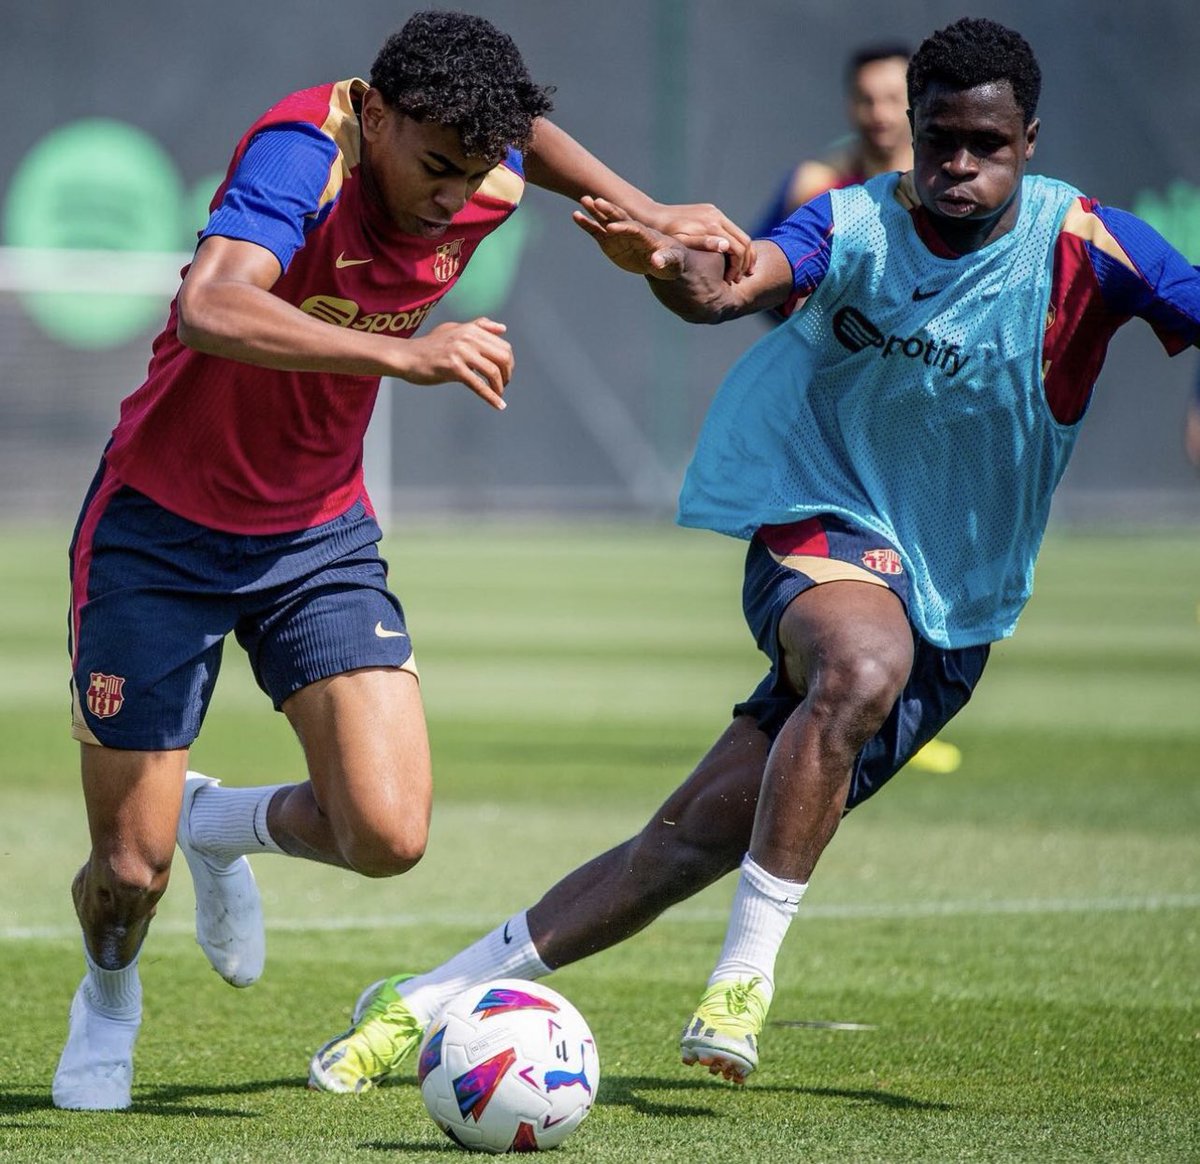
229	919
95	1070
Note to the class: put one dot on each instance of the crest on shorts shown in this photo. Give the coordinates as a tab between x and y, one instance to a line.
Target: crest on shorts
105	694
885	561
447	260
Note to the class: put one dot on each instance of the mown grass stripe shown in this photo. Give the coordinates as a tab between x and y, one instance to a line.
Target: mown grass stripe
877	912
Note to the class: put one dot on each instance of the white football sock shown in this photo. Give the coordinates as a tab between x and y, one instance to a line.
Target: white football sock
763	908
115	994
227	823
507	952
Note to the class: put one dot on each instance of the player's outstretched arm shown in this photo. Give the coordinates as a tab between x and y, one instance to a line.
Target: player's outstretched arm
556	161
688	281
226	309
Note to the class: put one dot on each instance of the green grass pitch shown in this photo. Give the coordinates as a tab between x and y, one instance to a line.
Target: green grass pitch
1020	941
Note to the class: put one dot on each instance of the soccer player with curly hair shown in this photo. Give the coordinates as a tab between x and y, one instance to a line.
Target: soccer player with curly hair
889	453
230	499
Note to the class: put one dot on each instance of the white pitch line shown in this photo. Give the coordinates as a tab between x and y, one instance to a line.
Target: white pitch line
881	912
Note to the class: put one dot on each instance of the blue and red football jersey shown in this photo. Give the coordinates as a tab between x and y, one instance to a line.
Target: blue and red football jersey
253	450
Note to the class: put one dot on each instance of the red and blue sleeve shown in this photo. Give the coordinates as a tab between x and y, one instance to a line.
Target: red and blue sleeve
1143	275
1109	267
274	197
806	239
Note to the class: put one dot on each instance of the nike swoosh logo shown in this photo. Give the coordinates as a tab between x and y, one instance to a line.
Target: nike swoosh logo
918	294
381	632
506	935
341	261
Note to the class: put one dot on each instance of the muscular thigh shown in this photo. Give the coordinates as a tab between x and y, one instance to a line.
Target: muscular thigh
814	591
845	625
796	578
366	746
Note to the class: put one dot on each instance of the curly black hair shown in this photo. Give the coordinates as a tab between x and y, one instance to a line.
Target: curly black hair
972	52
454	69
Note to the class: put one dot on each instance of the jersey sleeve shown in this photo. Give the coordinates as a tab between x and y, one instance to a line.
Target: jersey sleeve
515	161
274	197
1140	273
806	239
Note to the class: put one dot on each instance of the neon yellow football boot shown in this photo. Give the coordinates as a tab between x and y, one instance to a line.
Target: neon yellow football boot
382	1034
722	1034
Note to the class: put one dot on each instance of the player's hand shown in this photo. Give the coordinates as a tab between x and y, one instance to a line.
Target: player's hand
472	353
631	245
703	227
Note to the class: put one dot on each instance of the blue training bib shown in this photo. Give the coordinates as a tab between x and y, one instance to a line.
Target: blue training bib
905	395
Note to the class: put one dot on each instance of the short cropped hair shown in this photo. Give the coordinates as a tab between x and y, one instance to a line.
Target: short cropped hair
868	54
973	52
459	70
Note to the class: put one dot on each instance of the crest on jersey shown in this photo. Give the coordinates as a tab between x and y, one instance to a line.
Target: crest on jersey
105	695
885	561
447	260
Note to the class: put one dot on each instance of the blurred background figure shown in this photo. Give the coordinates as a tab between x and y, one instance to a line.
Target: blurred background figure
1191	429
877	104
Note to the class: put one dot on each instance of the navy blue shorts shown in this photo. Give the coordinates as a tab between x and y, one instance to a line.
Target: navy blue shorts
784	561
153	596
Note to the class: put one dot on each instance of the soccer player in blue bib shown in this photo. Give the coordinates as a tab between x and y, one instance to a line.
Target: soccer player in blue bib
889	453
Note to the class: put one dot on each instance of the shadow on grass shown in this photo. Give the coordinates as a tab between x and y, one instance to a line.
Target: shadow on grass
628	1091
444	1145
639	1093
165	1100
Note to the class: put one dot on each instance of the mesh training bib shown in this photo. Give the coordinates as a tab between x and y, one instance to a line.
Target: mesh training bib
905	395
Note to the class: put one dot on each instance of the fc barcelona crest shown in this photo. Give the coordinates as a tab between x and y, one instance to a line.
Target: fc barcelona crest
105	694
885	561
447	260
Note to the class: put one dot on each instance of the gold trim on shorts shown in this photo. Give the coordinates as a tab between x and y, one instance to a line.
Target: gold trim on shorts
822	570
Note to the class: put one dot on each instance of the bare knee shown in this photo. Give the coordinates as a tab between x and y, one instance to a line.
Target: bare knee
120	889
385	852
853	695
380	833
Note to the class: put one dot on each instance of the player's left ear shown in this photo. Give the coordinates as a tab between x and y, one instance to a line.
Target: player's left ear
1031	132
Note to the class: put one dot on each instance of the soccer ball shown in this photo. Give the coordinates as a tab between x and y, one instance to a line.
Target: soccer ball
509	1066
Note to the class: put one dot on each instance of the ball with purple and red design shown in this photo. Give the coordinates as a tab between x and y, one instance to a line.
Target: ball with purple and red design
508	1066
